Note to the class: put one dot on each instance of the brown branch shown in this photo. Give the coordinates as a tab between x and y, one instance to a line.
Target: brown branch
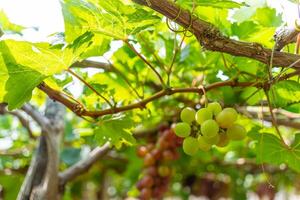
145	61
92	64
42	121
211	38
81	111
284	36
263	114
89	86
83	165
25	123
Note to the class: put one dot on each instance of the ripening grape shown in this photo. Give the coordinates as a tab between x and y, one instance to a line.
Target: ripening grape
212	140
209	128
202	144
190	146
224	140
227	117
182	129
149	160
145	194
203	114
215	108
188	115
236	132
142	151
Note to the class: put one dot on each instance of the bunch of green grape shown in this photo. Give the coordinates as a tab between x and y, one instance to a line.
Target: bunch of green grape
207	127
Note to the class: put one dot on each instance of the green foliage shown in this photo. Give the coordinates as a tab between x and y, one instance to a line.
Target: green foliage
94	28
270	149
6	25
116	131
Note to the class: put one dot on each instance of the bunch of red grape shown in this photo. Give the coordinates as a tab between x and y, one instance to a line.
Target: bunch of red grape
208	126
157	172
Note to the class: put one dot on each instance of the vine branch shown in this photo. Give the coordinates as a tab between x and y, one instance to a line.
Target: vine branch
81	111
212	39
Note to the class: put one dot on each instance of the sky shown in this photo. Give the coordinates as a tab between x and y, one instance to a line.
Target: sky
43	14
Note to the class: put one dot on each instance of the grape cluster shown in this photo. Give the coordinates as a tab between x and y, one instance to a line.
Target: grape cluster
157	156
208	126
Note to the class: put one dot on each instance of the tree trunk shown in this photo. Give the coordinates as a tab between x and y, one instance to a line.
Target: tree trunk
41	181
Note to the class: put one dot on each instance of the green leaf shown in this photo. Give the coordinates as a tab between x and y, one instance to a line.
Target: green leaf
267	17
116	131
110	18
245	29
270	149
284	93
23	65
41	57
6	25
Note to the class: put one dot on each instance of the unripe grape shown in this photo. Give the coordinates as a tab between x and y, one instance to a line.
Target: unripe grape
224	140
190	146
202	144
182	129
215	108
164	171
202	115
209	128
227	117
188	115
236	132
212	140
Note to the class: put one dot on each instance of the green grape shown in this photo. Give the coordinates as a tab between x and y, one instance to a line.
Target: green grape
215	108
209	128
182	129
227	117
190	146
164	171
212	140
236	132
202	115
188	115
224	140
202	144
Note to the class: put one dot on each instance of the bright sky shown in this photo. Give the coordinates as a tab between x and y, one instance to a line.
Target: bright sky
43	14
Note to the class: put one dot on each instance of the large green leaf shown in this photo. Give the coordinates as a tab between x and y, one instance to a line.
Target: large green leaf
267	17
270	149
6	25
284	93
23	65
110	18
116	131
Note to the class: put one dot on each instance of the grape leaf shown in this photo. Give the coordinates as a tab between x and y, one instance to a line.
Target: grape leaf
6	25
109	18
270	149
23	65
284	93
116	131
